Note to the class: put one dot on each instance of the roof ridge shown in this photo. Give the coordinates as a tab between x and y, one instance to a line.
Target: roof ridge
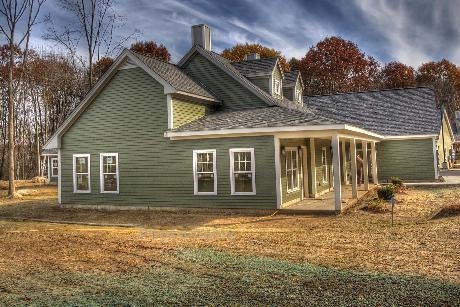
253	60
152	58
373	91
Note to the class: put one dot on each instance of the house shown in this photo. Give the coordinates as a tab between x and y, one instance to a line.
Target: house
211	133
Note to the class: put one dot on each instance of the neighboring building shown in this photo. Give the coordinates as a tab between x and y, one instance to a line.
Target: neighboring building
51	165
211	133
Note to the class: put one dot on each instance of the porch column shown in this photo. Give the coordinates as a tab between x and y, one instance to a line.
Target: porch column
344	162
354	174
313	167
365	166
374	163
337	177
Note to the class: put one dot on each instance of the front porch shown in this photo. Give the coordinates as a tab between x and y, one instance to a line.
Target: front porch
324	171
326	203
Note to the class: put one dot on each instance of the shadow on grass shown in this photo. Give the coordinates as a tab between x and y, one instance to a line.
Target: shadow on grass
209	277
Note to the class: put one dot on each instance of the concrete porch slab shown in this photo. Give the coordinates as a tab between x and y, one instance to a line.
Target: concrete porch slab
325	203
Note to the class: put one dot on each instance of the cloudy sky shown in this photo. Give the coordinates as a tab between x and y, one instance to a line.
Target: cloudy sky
412	31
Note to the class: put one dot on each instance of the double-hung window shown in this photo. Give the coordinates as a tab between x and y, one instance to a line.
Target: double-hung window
204	172
81	173
277	87
54	167
242	171
292	169
109	173
298	96
324	164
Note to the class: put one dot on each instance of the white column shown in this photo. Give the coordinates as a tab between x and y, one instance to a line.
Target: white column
344	162
337	178
374	163
354	175
365	166
279	194
313	166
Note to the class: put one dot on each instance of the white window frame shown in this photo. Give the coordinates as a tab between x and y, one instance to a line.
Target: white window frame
277	87
298	94
287	151
75	174
195	174
53	168
252	171
324	165
101	172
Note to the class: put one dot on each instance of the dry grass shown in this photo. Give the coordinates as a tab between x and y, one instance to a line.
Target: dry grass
418	244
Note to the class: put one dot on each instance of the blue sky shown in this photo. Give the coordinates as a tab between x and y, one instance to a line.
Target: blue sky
412	31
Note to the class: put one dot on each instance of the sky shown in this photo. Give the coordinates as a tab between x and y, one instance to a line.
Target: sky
409	31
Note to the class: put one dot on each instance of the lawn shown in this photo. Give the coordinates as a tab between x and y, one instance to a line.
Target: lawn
196	257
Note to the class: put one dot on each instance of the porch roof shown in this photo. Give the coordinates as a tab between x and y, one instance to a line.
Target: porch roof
256	118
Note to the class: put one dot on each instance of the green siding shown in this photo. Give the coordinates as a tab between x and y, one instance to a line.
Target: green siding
130	117
263	83
185	112
411	160
230	91
288	93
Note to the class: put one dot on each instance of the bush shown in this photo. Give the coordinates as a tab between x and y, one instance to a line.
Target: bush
386	192
397	182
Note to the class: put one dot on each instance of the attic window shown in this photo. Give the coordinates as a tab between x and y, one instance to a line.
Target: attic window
298	96
277	87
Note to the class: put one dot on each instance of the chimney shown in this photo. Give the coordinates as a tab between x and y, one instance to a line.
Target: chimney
201	36
252	56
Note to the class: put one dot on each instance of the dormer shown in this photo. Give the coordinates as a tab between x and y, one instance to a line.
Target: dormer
293	87
266	73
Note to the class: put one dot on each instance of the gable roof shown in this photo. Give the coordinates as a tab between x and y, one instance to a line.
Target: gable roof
393	112
175	76
256	118
155	68
256	68
290	78
228	68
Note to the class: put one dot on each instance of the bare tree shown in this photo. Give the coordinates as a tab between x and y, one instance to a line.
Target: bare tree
16	14
94	25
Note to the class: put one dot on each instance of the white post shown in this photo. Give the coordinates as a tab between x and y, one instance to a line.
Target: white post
337	177
313	166
374	163
354	175
278	173
344	162
365	166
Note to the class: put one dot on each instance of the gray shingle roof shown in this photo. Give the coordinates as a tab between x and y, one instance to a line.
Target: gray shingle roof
256	118
396	112
175	76
290	78
255	68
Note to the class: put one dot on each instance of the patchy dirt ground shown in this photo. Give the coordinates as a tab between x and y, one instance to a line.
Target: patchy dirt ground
199	257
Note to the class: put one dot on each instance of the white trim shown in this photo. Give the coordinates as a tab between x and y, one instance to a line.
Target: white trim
74	174
435	159
337	180
409	137
297	187
324	164
52	168
195	177
101	173
231	152
305	189
279	194
59	178
169	104
276	90
217	133
313	167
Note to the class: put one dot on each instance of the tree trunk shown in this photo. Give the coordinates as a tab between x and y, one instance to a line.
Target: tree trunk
11	140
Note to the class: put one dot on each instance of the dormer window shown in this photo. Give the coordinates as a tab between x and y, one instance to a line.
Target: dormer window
277	87
298	96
